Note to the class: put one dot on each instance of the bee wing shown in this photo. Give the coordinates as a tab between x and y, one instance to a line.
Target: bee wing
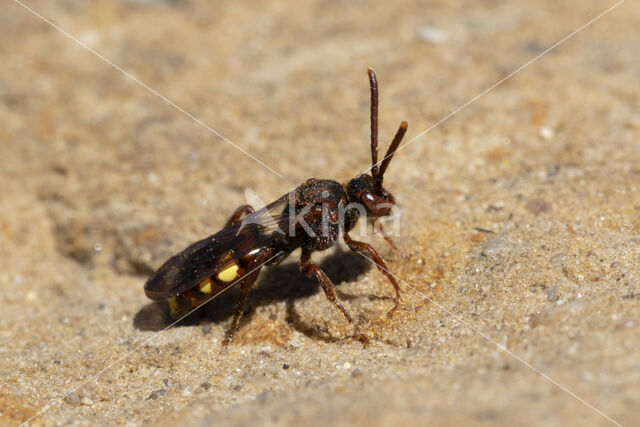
206	257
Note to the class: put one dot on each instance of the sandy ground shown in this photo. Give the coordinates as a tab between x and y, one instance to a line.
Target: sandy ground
520	305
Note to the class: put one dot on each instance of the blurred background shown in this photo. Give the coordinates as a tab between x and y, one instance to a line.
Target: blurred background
130	128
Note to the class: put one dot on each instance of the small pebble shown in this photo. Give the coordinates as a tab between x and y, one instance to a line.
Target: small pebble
72	399
431	34
552	294
546	132
558	259
538	205
156	394
285	366
86	401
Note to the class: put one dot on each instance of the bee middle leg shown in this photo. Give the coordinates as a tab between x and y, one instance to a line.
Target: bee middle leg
238	308
239	213
309	269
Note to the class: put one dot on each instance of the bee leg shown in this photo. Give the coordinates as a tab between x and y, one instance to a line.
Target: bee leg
238	308
239	213
378	261
309	269
391	243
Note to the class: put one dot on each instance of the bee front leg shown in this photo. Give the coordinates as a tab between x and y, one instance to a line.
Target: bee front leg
390	242
309	269
238	308
378	261
239	213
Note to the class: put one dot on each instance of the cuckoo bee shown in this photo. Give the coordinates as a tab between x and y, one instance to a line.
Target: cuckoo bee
312	217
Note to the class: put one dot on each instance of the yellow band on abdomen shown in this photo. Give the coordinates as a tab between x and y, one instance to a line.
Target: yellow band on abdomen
228	274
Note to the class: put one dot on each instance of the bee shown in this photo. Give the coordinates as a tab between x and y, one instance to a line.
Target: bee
312	217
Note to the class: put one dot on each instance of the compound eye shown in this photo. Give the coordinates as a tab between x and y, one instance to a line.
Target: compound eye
370	201
376	204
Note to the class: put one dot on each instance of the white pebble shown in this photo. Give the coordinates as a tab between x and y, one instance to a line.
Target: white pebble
431	34
546	132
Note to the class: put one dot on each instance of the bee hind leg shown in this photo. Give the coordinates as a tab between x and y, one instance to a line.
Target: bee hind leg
238	308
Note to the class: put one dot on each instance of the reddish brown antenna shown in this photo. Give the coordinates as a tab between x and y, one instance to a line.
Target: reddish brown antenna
391	151
373	82
378	174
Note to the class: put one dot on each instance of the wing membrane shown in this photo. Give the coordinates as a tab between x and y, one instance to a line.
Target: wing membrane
206	257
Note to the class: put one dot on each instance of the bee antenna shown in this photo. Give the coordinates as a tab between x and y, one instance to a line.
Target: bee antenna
391	151
373	83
